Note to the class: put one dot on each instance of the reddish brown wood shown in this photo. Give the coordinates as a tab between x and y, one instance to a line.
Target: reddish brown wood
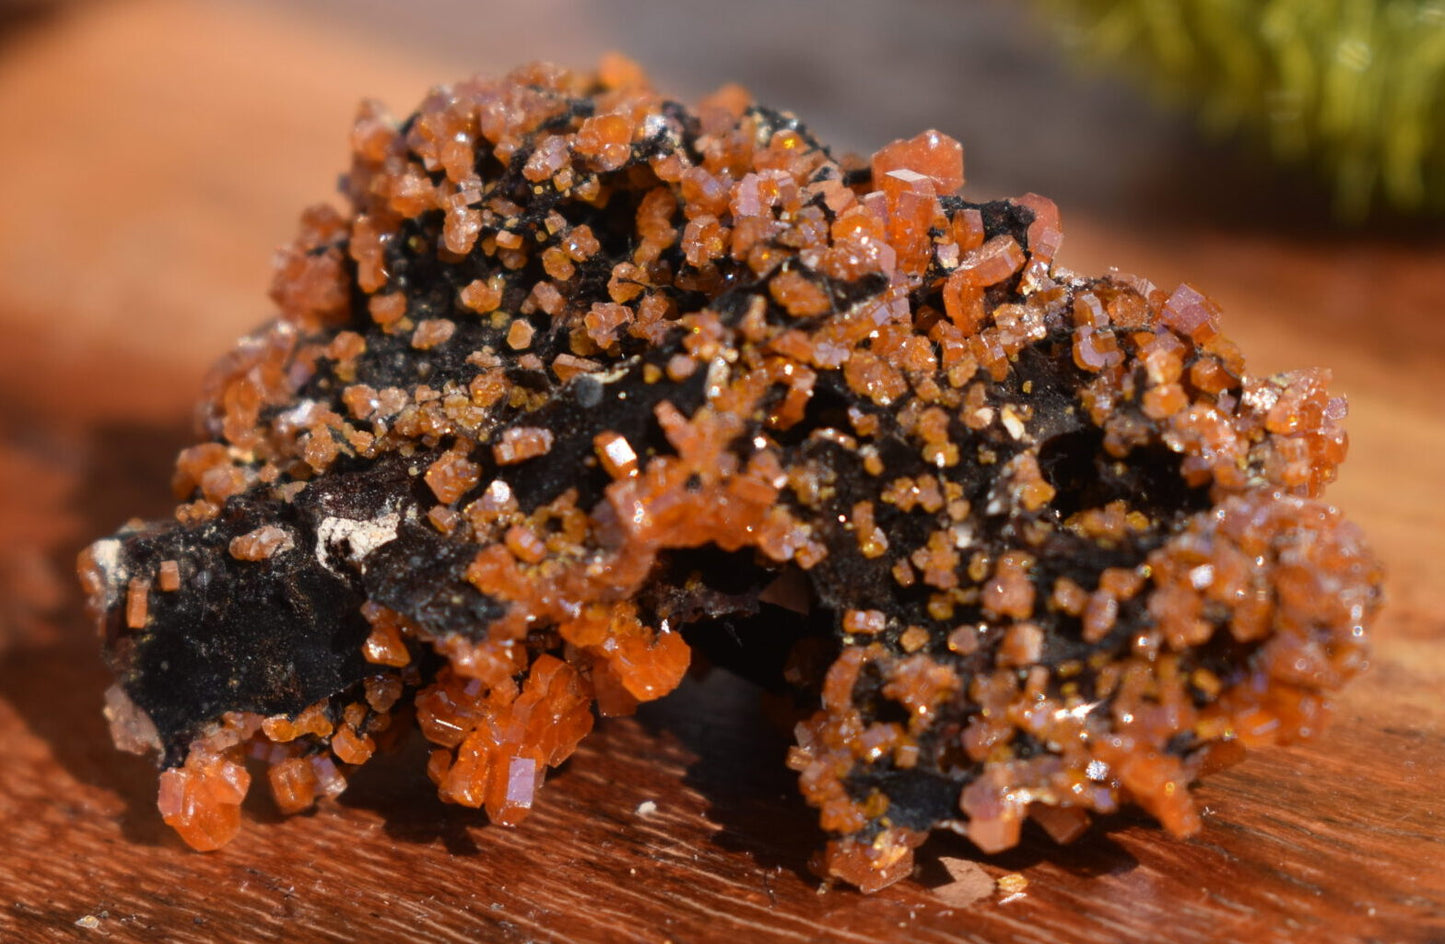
144	176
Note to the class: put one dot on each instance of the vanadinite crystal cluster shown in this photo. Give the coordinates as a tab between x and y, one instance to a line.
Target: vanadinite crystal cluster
582	381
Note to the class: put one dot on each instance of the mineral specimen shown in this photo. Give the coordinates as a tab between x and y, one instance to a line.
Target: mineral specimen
584	380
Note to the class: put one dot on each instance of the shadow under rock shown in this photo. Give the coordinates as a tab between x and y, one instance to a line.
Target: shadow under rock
58	688
1092	855
19	18
396	788
740	749
739	769
718	719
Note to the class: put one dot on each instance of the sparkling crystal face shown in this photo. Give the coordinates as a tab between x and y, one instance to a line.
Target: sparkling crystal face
584	381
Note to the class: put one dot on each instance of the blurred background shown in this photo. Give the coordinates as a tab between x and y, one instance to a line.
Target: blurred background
156	150
153	153
184	137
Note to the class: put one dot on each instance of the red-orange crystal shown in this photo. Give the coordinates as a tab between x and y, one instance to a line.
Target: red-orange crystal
579	373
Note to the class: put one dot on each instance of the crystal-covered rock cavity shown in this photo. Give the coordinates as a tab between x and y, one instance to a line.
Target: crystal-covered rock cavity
583	381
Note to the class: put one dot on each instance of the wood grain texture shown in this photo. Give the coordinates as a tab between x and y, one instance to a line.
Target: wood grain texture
147	169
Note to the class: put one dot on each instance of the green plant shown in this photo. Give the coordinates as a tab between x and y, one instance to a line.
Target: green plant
1354	87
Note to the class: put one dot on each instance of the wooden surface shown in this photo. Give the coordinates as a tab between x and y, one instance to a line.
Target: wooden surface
152	155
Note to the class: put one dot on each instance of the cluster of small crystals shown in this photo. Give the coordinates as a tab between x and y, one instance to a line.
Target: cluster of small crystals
1068	544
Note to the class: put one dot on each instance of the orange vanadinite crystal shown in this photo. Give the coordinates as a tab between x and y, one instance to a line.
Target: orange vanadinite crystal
452	476
202	800
582	377
501	740
931	154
